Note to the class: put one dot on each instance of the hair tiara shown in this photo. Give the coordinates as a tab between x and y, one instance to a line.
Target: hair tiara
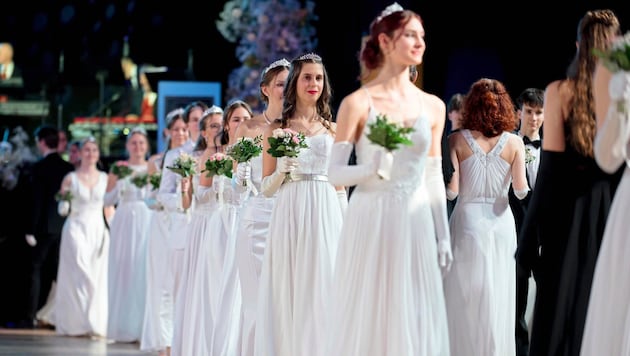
138	129
279	63
175	113
395	7
310	57
212	110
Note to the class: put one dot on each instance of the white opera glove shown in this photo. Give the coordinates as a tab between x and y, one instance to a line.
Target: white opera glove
343	201
611	140
112	197
271	183
243	178
30	240
340	173
436	192
384	163
619	86
63	208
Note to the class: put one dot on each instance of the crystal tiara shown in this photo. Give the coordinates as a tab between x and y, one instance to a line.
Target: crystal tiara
389	10
279	63
212	110
310	56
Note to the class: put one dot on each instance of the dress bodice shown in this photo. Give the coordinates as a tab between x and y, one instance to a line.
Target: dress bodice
314	159
487	175
130	191
204	197
88	200
409	161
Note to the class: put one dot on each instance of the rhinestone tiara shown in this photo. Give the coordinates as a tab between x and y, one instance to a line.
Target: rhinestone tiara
212	110
310	56
279	63
174	113
395	7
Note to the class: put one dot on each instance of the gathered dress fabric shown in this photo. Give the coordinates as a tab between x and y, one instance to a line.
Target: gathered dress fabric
298	263
387	294
81	295
480	288
127	261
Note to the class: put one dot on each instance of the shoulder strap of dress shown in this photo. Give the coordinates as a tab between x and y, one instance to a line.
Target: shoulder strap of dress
369	98
498	148
471	141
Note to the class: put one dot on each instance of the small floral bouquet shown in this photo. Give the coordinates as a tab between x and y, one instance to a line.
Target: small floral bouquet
529	157
140	180
121	170
64	196
154	180
387	134
390	136
286	143
185	165
219	164
617	59
243	151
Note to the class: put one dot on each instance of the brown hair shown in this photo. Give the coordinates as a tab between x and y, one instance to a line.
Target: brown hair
595	30
488	108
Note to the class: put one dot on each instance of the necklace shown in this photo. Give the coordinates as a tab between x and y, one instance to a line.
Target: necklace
266	118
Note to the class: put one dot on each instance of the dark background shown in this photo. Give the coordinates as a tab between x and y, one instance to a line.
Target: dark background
523	44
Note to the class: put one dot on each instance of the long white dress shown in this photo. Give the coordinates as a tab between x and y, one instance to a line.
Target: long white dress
81	299
607	327
200	278
226	336
297	270
127	260
251	238
480	288
388	294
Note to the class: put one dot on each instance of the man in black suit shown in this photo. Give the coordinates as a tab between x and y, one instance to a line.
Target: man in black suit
530	112
43	232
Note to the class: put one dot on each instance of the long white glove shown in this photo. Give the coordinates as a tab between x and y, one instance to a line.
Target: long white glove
112	197
242	179
619	86
436	192
63	208
340	173
343	201
612	138
271	183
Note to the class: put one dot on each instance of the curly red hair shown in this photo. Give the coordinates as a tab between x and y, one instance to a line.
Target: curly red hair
488	108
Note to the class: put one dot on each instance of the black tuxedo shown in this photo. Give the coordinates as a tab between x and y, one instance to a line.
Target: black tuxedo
46	225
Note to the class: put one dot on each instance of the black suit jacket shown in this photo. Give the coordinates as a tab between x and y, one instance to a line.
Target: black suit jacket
45	181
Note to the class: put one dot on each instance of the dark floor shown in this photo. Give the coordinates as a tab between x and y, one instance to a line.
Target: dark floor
19	342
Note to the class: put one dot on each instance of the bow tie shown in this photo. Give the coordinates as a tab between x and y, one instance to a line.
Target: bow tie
527	141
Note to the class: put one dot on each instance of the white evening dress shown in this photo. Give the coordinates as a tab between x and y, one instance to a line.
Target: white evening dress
200	278
387	293
607	327
251	238
81	299
480	288
298	264
127	259
226	335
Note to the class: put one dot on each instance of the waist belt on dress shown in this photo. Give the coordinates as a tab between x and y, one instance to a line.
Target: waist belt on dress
296	177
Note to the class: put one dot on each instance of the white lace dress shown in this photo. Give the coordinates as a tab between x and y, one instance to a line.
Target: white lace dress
298	264
81	299
387	296
127	260
480	288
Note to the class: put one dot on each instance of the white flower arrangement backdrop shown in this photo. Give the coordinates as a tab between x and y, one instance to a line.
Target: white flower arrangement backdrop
264	31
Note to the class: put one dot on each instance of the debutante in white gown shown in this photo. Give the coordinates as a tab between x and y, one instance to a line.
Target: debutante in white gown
81	299
387	297
200	278
127	259
227	333
251	238
607	327
297	270
480	288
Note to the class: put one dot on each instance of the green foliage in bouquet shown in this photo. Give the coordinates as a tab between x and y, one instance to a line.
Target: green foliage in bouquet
388	134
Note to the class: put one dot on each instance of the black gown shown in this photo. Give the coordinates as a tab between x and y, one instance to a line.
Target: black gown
565	222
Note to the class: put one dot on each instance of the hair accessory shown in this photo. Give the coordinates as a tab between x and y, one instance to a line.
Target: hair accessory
138	129
174	113
310	56
280	62
389	10
212	110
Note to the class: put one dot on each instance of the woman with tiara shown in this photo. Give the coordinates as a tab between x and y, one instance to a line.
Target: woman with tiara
387	297
253	225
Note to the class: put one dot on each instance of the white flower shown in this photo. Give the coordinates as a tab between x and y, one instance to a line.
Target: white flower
278	133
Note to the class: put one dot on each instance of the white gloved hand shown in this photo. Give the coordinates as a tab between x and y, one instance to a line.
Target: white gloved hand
445	255
243	173
384	161
271	183
30	240
63	208
436	192
340	173
619	86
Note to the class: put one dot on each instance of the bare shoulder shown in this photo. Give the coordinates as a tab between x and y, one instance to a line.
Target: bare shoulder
356	99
